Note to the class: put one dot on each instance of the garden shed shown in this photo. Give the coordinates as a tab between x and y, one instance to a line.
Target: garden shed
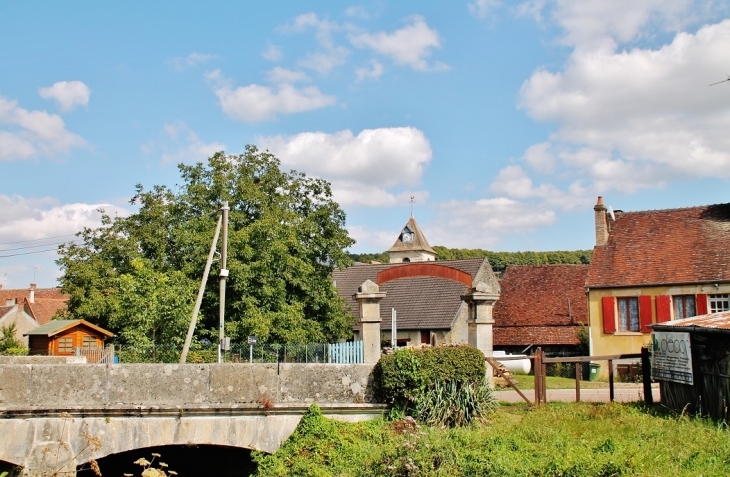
696	377
61	337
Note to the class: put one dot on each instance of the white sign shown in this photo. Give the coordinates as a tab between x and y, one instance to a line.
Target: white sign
671	357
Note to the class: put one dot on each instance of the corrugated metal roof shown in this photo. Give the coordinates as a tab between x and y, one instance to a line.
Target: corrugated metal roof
716	321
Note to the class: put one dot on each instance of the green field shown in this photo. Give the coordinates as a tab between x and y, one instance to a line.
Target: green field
558	440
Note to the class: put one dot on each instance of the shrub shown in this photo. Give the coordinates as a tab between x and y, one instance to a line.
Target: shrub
406	375
17	351
453	404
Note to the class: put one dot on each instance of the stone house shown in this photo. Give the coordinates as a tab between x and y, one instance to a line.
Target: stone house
30	307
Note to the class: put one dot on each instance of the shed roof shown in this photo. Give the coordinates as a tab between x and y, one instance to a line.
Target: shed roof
56	326
715	322
421	302
655	247
540	305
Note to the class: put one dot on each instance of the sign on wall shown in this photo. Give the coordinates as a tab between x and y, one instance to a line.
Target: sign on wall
671	357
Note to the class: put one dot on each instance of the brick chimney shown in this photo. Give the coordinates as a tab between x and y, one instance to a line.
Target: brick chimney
601	222
31	298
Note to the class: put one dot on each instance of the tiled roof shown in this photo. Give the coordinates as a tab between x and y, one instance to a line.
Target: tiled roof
664	246
4	310
47	301
420	302
419	240
533	307
55	326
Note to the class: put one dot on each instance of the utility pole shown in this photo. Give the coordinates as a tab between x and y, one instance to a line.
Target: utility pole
222	345
199	300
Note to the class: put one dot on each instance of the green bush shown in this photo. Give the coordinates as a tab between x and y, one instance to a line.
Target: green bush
406	375
16	351
453	404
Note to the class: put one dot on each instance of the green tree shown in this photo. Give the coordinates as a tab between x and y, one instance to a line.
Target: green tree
8	339
137	275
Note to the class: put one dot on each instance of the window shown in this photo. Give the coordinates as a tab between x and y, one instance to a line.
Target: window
65	345
719	303
406	260
89	342
628	312
684	306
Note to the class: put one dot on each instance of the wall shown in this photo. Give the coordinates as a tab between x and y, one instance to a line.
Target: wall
631	342
99	385
23	323
413	256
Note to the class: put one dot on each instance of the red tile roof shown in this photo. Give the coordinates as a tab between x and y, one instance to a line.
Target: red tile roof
533	305
656	247
421	302
47	301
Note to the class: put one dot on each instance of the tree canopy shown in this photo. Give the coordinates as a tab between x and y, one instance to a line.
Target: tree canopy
138	275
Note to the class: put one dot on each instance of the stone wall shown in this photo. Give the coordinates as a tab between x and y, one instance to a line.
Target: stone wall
54	386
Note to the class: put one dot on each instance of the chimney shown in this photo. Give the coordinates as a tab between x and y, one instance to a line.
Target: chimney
601	222
32	293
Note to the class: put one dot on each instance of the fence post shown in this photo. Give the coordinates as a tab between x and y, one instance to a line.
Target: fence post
646	376
577	381
538	380
543	376
610	380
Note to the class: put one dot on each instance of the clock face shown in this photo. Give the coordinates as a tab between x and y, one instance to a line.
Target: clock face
407	237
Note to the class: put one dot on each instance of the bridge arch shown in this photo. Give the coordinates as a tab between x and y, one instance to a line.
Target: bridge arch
424	269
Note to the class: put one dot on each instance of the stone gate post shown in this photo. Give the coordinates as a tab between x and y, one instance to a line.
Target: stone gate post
368	298
480	320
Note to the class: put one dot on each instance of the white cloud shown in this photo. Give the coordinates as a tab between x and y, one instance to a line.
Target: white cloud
282	75
329	55
483	8
191	61
325	61
181	144
411	45
357	12
632	119
361	168
254	103
68	94
33	133
272	53
482	223
367	239
370	73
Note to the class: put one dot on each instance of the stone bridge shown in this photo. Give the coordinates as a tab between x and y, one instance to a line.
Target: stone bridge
133	406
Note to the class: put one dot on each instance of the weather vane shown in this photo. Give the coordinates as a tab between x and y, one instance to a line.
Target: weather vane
728	79
413	199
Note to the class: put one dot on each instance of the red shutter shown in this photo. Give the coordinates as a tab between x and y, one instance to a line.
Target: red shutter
663	308
702	304
609	314
645	312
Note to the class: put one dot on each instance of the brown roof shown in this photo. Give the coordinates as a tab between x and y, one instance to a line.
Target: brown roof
4	310
534	308
419	240
47	301
664	246
717	322
421	302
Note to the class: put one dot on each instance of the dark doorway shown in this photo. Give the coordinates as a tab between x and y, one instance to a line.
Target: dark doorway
186	460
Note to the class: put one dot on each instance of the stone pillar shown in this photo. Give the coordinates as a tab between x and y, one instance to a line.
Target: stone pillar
368	298
480	321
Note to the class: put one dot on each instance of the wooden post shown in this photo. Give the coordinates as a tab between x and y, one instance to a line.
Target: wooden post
543	377
538	381
577	382
610	380
646	376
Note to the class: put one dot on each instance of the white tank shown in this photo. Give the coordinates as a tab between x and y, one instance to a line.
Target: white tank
514	366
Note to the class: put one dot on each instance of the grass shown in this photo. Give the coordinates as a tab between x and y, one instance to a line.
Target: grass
555	382
558	440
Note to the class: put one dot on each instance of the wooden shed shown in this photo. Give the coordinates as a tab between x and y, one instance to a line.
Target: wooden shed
61	337
698	380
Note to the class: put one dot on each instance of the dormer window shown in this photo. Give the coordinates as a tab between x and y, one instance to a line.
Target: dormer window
406	235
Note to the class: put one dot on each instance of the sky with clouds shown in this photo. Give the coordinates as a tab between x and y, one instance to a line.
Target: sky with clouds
505	120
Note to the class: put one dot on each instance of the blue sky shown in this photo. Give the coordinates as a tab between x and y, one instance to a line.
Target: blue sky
504	119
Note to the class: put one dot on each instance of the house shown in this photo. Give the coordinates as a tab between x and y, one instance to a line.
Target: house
29	308
425	294
541	305
15	314
60	337
652	267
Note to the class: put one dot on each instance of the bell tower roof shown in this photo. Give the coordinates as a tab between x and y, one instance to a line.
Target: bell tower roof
411	239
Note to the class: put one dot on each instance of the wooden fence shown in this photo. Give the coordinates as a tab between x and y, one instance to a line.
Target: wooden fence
103	355
540	362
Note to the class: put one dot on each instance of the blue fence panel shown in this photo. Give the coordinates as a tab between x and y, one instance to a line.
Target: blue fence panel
350	352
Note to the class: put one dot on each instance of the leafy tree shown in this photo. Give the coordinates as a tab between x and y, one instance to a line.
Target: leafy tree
137	275
8	339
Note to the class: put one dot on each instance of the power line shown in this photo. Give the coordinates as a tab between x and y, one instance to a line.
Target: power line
37	246
28	253
36	240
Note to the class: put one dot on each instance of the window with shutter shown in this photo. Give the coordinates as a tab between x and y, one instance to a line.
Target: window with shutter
628	313
663	308
684	306
645	312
